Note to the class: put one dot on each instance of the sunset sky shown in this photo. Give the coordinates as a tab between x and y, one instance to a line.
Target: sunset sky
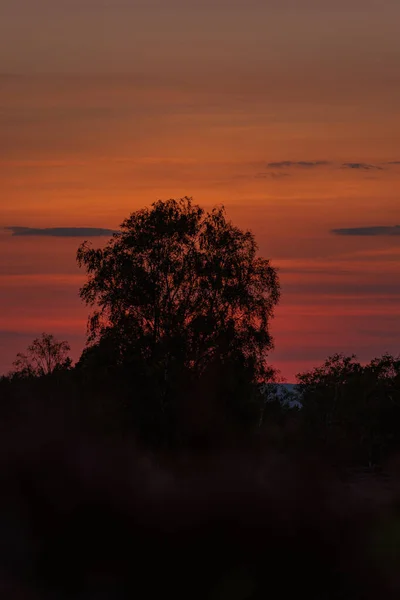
285	111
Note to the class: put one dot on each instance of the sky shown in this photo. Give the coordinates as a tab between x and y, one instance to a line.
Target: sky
284	111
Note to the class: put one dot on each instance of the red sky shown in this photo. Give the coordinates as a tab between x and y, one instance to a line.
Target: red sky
106	106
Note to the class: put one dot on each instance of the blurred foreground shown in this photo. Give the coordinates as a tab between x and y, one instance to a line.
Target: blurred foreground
87	516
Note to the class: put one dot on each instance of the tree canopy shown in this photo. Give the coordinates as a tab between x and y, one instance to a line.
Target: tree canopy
352	407
44	356
176	273
181	291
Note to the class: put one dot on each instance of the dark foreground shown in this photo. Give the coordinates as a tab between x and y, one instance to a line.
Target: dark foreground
86	518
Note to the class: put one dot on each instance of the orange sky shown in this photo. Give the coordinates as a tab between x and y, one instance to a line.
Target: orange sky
106	106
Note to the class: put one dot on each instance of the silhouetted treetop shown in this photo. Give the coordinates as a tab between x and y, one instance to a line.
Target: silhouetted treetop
354	406
44	356
181	282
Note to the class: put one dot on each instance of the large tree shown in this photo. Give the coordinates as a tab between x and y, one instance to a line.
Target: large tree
181	288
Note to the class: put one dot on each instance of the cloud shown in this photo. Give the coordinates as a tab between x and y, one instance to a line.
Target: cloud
360	166
271	175
60	231
309	164
300	163
375	230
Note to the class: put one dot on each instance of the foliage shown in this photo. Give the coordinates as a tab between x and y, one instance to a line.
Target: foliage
43	357
180	296
354	407
180	280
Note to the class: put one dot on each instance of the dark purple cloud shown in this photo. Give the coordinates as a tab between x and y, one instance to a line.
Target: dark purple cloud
374	230
272	175
60	231
305	164
361	166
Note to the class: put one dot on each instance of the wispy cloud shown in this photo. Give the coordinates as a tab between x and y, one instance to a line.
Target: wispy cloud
361	166
271	175
312	164
305	164
80	232
375	230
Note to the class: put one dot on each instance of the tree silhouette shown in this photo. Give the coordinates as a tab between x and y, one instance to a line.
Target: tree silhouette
353	408
43	357
182	292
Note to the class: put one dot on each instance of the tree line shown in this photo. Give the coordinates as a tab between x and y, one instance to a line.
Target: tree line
178	341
